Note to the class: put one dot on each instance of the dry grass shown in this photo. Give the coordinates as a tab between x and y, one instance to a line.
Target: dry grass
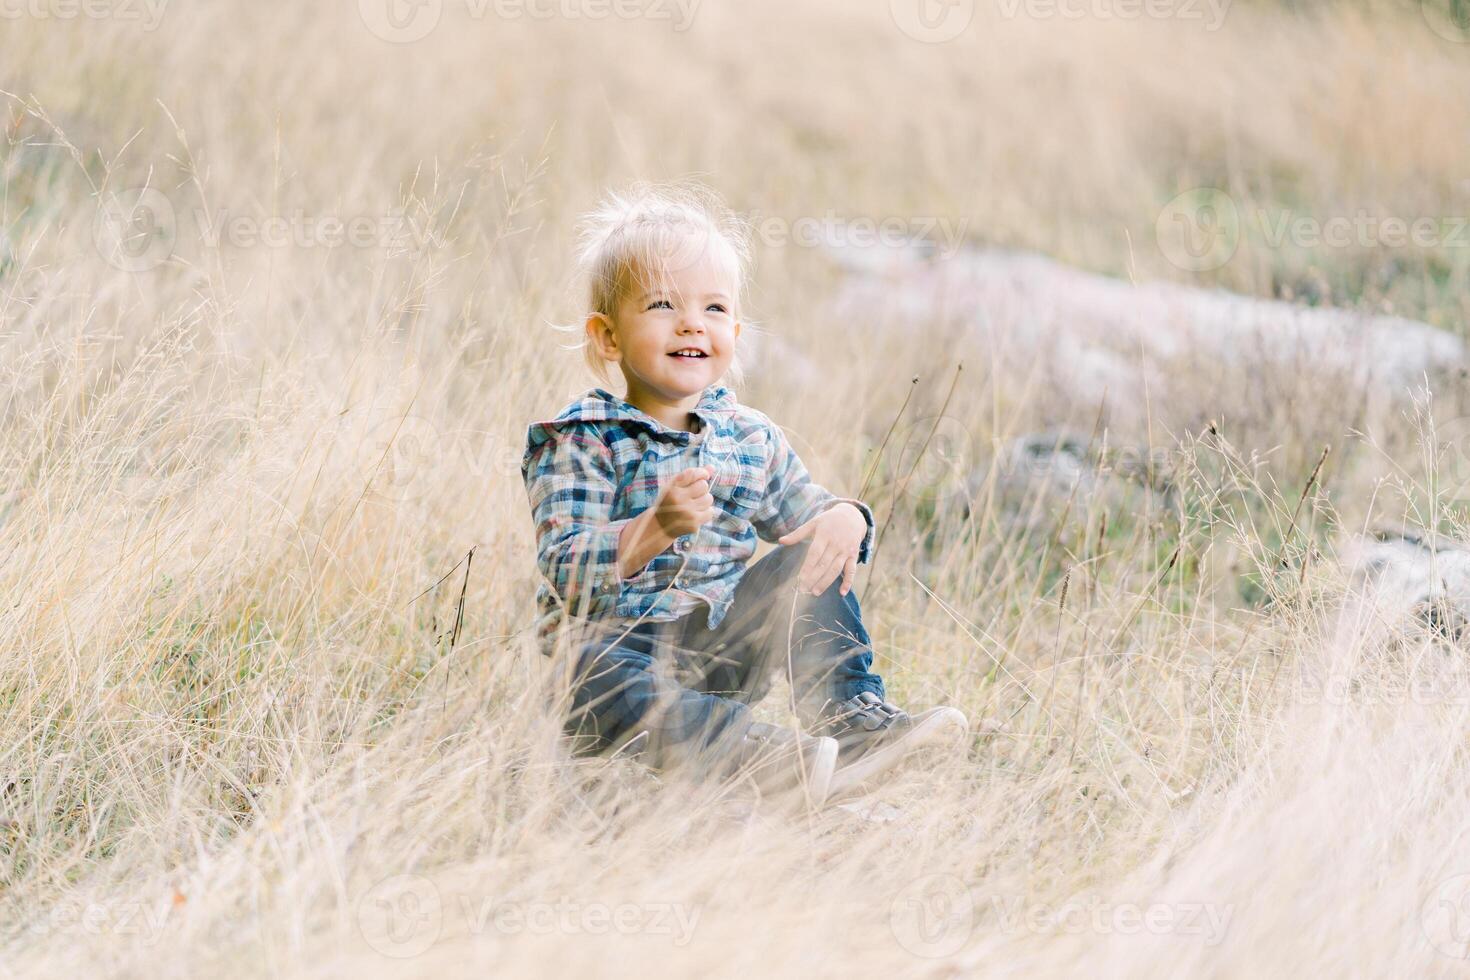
232	719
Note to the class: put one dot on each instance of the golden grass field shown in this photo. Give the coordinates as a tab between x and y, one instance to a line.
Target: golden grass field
258	716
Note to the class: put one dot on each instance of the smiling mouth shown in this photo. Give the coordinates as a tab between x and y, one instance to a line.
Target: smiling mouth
688	353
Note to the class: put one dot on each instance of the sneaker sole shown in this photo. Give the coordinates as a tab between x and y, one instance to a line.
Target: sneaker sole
930	727
818	786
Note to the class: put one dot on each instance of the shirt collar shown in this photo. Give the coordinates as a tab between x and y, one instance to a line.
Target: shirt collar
600	405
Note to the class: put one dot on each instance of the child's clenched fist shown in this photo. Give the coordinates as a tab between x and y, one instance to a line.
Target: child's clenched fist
682	507
685	505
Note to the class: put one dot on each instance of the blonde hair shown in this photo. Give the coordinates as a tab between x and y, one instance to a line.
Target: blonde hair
638	236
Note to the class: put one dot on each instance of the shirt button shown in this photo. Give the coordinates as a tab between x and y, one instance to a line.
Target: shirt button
681	544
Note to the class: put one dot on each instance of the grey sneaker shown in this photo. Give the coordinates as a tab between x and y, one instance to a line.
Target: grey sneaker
785	763
779	762
874	735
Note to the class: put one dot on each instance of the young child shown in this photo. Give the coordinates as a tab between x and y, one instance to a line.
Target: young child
648	508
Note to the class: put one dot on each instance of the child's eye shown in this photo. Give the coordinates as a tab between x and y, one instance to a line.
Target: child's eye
720	307
660	304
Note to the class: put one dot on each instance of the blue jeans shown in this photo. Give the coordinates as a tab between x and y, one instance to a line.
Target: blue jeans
680	680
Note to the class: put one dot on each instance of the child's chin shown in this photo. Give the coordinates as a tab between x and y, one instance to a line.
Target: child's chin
691	383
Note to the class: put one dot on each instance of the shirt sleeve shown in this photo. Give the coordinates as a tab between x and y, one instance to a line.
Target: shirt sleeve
570	481
791	498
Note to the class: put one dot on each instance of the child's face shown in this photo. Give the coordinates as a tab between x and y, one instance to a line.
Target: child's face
685	310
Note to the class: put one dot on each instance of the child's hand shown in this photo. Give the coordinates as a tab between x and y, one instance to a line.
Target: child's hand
685	505
836	535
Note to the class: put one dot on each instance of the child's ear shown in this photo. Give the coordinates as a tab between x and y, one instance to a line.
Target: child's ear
600	335
737	329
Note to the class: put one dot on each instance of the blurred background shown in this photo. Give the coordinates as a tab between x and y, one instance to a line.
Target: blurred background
1141	323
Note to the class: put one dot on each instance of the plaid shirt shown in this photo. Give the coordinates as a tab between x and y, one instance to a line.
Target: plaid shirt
601	462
